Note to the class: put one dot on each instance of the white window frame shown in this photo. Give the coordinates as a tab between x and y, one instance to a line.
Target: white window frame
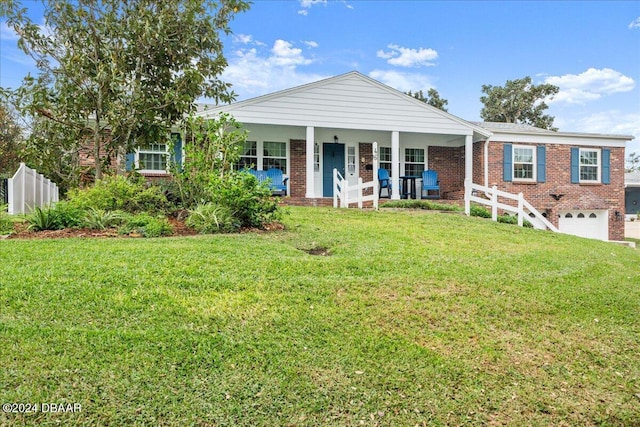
533	163
262	155
140	150
256	156
383	161
424	159
598	165
351	159
316	157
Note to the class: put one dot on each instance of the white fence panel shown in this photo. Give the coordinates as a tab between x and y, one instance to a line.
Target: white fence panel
28	189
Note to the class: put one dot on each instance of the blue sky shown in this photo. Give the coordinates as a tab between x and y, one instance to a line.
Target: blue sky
591	50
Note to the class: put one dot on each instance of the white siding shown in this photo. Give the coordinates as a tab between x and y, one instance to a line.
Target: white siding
350	101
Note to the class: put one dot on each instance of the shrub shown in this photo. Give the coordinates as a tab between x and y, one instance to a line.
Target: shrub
43	219
508	219
6	223
210	218
420	204
249	201
480	211
146	225
98	219
119	193
68	215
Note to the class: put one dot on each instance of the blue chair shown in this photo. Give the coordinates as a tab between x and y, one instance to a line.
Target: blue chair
430	183
384	181
278	183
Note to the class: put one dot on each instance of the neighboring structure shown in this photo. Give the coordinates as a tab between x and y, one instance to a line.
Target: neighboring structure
632	194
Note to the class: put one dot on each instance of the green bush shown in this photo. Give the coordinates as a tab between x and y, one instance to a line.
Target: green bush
98	219
249	201
508	219
480	211
420	204
43	219
210	218
120	194
68	215
6	223
147	225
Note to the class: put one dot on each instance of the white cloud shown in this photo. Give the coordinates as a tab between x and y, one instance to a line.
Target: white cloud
403	81
589	85
243	38
7	33
635	23
406	57
311	43
285	54
308	4
254	72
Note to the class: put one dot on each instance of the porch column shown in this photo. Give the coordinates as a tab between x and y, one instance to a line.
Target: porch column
310	192
395	164
468	172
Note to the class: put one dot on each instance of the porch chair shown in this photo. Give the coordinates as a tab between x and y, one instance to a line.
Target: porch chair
278	183
430	183
384	181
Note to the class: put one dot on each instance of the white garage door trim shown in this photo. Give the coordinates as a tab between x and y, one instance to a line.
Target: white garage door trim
592	224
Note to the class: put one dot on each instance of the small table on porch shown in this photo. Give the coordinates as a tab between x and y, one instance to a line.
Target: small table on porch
408	187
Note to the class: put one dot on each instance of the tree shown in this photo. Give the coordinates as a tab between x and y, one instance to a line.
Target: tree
432	98
11	140
122	72
632	162
518	101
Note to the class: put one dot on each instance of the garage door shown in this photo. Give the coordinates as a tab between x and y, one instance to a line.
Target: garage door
593	224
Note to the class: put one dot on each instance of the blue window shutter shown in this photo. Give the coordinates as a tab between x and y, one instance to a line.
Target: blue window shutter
542	163
606	166
131	158
508	162
176	156
575	165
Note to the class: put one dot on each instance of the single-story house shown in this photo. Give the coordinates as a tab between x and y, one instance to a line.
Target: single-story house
575	180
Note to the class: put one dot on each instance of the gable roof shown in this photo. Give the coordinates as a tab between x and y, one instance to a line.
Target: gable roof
347	101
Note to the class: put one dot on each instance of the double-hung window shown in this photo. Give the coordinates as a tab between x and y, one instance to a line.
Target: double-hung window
524	161
249	155
413	161
153	158
274	155
384	156
589	165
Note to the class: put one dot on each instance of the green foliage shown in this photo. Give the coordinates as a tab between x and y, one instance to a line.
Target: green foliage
513	219
68	214
6	223
480	211
119	193
420	204
11	139
146	225
432	98
43	219
207	218
249	201
133	68
98	219
519	101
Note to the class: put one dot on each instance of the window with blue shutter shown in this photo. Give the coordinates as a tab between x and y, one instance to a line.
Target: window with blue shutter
131	158
508	163
542	163
176	156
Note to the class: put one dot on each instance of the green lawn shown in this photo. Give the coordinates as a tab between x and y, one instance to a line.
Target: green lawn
413	318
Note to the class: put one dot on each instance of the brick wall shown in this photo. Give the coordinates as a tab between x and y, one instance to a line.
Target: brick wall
449	163
297	168
558	181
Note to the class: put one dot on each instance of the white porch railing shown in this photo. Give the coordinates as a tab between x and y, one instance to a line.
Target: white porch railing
29	189
343	192
523	209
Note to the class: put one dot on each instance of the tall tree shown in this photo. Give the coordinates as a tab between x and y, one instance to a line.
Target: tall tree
432	98
122	72
519	101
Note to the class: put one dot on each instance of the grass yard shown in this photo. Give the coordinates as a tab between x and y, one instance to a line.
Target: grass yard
401	319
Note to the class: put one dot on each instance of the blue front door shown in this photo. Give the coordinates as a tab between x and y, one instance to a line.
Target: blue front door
332	157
